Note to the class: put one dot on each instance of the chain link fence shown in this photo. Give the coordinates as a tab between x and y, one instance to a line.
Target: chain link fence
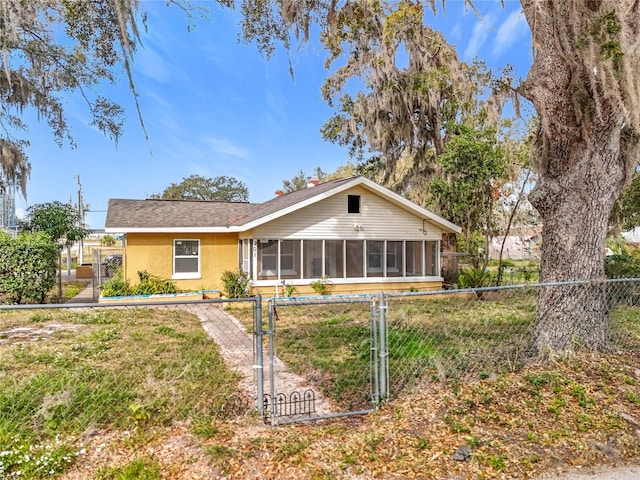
468	334
69	376
321	358
357	352
107	261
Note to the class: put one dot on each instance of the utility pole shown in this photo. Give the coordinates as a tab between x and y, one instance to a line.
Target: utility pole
81	213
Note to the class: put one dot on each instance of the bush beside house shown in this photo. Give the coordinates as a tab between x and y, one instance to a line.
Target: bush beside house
28	265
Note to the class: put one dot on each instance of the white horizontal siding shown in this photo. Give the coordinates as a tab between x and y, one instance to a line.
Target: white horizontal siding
328	219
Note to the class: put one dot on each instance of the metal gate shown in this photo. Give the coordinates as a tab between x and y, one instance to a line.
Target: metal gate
326	357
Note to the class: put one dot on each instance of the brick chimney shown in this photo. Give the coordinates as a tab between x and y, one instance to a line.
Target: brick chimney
312	182
279	193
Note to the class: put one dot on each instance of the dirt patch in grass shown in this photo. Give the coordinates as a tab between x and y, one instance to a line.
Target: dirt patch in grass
32	333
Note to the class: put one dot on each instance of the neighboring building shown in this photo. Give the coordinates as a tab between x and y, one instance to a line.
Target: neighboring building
522	246
359	236
8	219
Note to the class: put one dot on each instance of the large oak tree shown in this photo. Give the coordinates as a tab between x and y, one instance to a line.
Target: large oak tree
584	84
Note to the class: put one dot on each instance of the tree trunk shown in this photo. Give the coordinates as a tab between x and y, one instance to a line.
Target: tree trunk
585	152
575	211
449	261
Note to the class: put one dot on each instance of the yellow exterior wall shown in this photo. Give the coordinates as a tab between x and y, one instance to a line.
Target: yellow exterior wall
351	288
153	252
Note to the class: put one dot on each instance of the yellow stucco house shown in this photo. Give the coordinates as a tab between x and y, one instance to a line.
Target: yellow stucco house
357	235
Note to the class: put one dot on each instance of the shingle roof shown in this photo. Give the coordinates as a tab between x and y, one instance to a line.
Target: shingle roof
154	213
126	214
166	215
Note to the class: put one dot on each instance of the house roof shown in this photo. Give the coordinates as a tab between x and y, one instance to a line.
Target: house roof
218	216
130	215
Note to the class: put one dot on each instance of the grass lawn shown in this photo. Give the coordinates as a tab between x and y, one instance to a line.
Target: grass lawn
143	394
64	373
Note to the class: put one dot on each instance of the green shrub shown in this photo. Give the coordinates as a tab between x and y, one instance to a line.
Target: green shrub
290	290
149	285
506	263
322	286
473	278
115	287
28	267
236	284
153	285
621	266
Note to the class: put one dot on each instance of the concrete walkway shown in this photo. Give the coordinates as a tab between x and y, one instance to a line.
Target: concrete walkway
627	472
237	347
85	295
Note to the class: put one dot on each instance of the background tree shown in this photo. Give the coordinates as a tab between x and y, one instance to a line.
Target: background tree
301	179
473	164
626	212
50	47
107	241
397	125
61	222
197	187
512	210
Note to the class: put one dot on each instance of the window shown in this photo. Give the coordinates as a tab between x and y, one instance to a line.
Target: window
312	259
394	259
355	257
431	258
353	204
267	259
414	259
375	251
278	260
334	258
186	259
289	258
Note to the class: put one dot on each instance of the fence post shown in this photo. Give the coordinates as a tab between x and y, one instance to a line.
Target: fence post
382	335
374	353
272	354
259	359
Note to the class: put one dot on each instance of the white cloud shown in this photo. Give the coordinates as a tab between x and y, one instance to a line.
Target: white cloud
478	37
226	147
152	65
512	29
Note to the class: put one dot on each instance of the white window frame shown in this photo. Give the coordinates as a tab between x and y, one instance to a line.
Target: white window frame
378	257
275	257
185	275
290	256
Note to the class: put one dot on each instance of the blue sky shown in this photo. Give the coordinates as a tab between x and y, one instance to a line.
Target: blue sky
214	106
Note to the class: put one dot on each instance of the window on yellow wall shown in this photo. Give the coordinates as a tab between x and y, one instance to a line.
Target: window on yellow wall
186	258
